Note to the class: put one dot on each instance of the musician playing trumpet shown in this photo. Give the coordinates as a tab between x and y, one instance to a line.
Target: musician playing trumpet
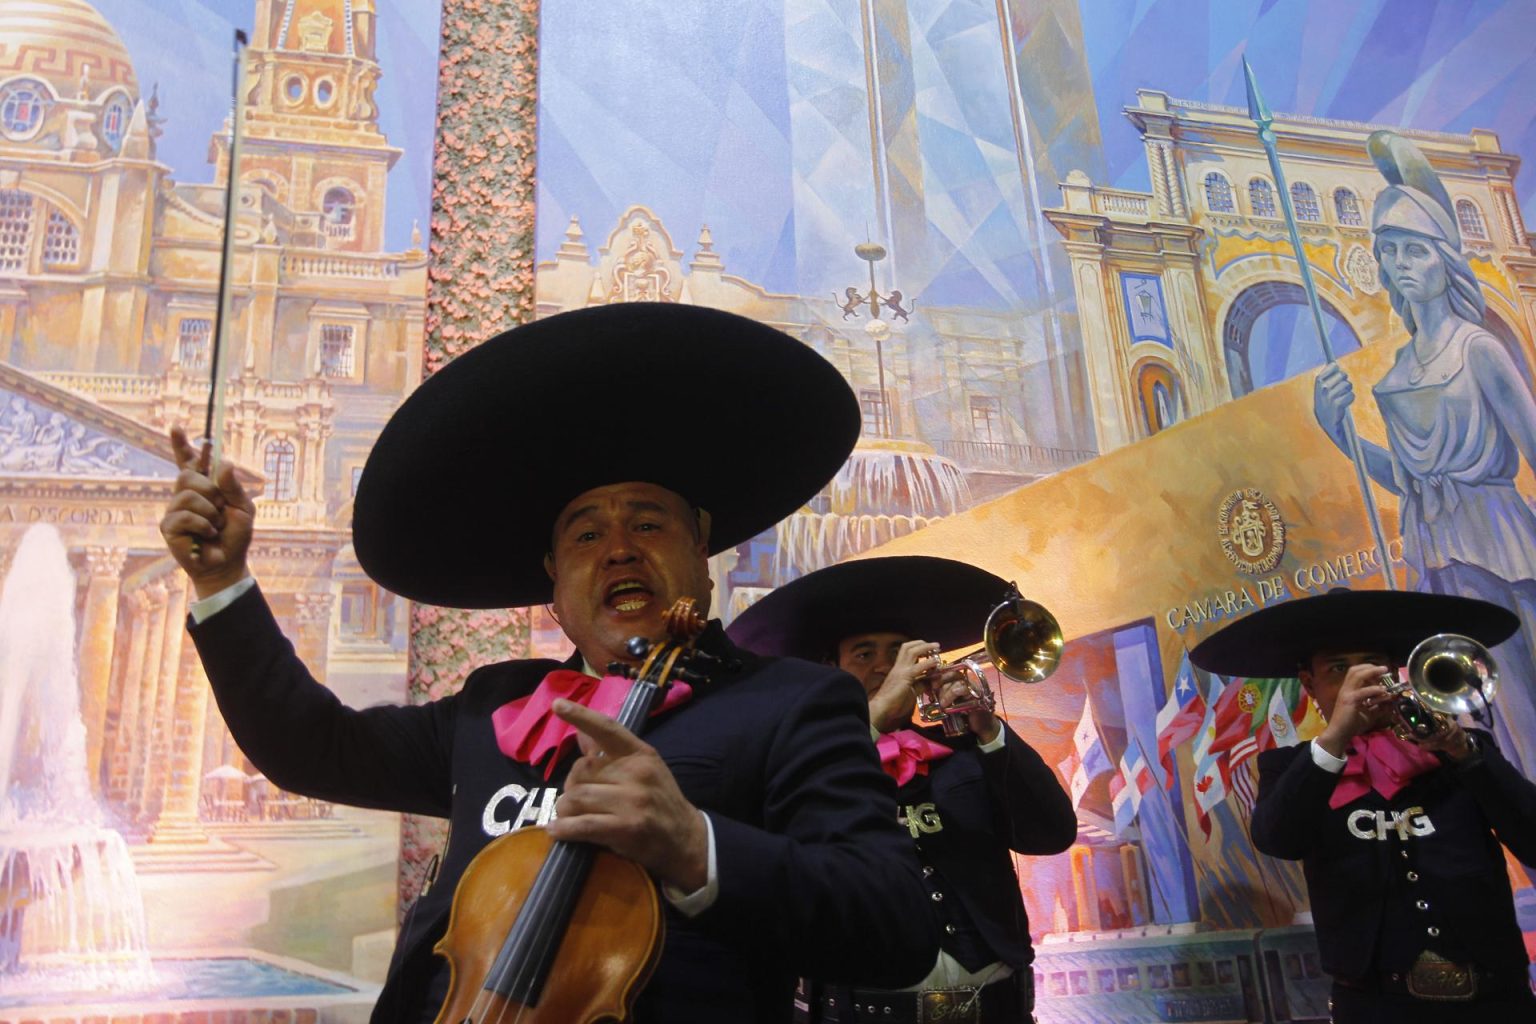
968	795
1399	841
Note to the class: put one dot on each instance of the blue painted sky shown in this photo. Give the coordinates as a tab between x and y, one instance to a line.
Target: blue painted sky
1444	65
688	104
682	104
184	45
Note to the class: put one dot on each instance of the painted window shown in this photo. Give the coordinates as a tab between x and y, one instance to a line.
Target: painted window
1218	194
336	352
1261	198
15	229
61	241
986	419
279	469
114	121
1160	402
22	105
194	339
1346	206
337	209
1304	200
1470	219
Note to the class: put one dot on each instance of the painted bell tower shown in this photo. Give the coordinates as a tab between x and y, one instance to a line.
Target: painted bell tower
312	126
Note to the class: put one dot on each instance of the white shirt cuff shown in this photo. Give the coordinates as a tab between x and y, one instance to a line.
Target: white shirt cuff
215	603
695	903
1326	761
996	742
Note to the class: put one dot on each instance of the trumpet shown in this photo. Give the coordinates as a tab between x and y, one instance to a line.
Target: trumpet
1448	674
1021	639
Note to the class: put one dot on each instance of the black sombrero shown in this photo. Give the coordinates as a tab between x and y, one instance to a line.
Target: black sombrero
935	599
459	496
1275	641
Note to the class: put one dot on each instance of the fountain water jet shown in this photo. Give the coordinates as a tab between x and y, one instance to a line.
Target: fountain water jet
68	892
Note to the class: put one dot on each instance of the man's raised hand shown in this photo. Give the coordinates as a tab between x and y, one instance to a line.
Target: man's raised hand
207	523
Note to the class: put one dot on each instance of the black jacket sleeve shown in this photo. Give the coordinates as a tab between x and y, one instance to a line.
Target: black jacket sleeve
303	738
828	860
1506	798
1033	810
1292	805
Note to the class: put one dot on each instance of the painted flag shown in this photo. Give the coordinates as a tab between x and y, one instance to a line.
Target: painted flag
1210	778
1178	720
1245	789
1128	786
1092	759
1273	721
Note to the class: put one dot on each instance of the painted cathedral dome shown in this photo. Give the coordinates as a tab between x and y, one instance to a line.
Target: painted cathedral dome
55	40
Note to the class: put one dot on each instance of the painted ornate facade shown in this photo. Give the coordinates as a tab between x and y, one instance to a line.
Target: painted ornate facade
108	274
1171	282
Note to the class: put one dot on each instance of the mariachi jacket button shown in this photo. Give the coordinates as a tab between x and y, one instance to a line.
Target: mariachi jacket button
949	929
938	897
1403	854
1397	977
1413	876
1422	904
1432	932
927	871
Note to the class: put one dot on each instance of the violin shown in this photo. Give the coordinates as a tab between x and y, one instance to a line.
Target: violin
547	932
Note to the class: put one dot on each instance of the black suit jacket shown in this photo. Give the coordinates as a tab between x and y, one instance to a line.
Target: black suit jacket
965	816
1371	863
814	876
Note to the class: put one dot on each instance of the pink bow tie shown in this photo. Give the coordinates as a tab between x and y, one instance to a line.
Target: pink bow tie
527	730
906	753
1380	761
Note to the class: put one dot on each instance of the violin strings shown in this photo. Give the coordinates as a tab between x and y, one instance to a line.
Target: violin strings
563	864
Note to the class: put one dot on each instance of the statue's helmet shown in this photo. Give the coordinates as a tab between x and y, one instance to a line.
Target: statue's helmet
1407	209
1415	198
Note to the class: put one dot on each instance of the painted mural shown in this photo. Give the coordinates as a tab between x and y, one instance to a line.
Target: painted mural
143	861
1042	241
1046	245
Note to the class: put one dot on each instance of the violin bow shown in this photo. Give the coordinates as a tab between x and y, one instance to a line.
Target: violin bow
213	427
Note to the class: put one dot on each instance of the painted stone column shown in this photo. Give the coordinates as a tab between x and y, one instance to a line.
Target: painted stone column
487	109
313	640
168	673
124	733
178	820
1085	888
1134	880
149	687
98	637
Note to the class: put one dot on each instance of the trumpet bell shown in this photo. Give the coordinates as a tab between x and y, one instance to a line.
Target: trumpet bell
1023	639
1453	674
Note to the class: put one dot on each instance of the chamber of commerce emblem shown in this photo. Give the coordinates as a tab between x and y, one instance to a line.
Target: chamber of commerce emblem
1251	532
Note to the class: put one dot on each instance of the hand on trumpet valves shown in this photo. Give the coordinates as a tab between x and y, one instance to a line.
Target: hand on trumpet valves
1359	704
893	697
955	688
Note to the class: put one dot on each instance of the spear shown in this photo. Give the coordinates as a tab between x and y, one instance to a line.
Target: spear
1259	112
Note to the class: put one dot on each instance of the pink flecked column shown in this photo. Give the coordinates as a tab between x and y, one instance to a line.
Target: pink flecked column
479	281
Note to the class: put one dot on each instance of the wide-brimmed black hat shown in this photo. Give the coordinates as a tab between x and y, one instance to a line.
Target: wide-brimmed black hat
935	599
458	499
1276	641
